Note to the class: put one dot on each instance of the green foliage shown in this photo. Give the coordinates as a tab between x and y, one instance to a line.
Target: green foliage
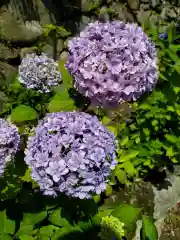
23	113
57	219
26	237
111	226
66	77
61	102
92	6
59	31
148	134
16	95
127	214
7	226
150	139
47	232
28	223
149	230
63	232
11	183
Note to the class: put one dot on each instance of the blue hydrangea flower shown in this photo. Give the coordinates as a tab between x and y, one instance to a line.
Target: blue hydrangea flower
9	143
163	36
71	152
112	62
39	72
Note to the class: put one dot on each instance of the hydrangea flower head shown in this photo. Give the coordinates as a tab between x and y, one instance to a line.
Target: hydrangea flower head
163	36
112	228
71	152
39	72
9	143
112	62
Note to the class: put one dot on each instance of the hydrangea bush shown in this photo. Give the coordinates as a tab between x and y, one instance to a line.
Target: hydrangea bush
71	152
9	143
112	62
39	72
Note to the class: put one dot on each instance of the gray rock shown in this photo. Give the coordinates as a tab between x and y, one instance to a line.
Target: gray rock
45	16
104	14
66	44
143	16
8	53
21	22
165	199
60	46
138	230
154	3
109	1
122	12
83	23
51	50
8	72
34	11
133	4
25	51
171	12
17	30
48	49
145	6
87	5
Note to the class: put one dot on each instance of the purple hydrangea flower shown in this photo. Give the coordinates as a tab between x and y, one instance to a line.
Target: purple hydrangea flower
39	72
9	143
71	152
112	62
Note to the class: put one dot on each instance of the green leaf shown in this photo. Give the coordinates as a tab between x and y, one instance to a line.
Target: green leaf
6	225
97	198
26	237
108	190
121	175
112	129
48	230
29	220
171	33
163	77
56	219
96	220
85	225
62	32
33	218
23	113
124	141
65	231
170	108
53	29
149	230
27	176
129	168
172	55
106	120
5	237
127	214
25	229
66	77
171	138
130	155
61	102
170	152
